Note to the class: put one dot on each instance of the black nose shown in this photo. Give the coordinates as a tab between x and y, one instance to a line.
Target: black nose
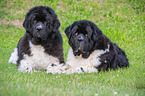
80	38
39	27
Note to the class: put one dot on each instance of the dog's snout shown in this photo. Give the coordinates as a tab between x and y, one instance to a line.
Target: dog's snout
39	27
80	38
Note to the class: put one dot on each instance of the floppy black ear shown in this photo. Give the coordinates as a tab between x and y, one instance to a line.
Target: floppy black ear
70	30
89	30
27	24
97	32
67	31
56	25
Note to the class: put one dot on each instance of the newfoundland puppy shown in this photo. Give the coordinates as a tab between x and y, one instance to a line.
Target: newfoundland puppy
91	50
41	46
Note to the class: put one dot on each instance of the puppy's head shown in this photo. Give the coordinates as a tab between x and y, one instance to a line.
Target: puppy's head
82	37
41	23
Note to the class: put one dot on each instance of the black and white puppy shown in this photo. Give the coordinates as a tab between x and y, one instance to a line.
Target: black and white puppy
41	46
91	50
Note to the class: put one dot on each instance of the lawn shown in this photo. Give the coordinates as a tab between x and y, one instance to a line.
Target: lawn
123	21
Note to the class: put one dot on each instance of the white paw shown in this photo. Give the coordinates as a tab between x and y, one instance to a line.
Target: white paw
83	69
80	70
69	71
74	70
56	69
25	69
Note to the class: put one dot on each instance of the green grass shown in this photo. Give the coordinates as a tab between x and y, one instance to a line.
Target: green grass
123	21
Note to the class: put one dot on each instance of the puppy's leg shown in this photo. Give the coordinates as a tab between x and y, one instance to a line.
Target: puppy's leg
85	69
56	68
25	67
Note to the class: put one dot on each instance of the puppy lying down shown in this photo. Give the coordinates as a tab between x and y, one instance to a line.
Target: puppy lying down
91	51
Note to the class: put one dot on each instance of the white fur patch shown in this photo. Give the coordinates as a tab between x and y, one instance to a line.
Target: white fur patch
14	56
37	61
57	69
80	65
77	64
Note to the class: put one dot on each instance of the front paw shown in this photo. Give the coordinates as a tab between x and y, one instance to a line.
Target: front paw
75	70
80	70
25	69
57	69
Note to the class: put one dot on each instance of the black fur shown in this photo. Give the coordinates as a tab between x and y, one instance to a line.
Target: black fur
41	26
85	37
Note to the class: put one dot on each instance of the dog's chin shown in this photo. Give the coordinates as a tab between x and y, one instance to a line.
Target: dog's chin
77	53
81	53
38	40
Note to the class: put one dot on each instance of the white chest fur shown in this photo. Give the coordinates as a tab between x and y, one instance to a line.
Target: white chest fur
88	65
38	59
